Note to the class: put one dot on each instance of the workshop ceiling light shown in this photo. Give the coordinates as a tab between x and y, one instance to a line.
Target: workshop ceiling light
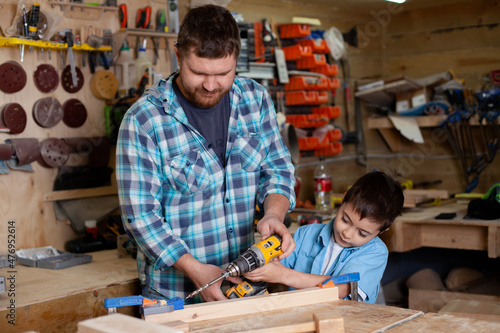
397	1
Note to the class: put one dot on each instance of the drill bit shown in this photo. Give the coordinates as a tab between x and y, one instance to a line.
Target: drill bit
197	291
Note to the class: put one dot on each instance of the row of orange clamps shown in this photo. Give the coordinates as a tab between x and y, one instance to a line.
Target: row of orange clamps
313	142
303	97
312	83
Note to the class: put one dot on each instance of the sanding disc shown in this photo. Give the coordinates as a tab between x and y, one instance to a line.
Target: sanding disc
14	117
47	112
26	150
67	80
104	84
46	78
12	77
6	151
75	113
54	153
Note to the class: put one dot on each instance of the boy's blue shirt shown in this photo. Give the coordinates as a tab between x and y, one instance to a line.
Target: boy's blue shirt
369	260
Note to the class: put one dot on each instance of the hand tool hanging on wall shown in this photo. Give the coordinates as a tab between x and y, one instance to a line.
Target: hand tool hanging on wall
68	34
123	16
161	26
143	18
33	21
173	16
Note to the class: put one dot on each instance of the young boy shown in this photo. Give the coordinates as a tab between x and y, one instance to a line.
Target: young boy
347	244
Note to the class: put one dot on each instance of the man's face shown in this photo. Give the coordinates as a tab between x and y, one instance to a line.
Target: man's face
205	81
351	231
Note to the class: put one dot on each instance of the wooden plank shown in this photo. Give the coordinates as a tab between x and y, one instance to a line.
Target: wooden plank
493	241
402	237
120	323
434	194
62	314
80	193
257	304
328	322
443	40
392	138
432	322
473	307
455	237
358	317
470	13
434	300
469	61
422	121
35	285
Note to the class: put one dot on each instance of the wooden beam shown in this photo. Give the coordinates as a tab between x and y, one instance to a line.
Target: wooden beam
120	323
433	194
80	193
493	242
328	322
422	121
433	300
245	306
392	138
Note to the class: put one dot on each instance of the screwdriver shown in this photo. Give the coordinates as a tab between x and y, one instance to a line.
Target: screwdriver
69	41
33	22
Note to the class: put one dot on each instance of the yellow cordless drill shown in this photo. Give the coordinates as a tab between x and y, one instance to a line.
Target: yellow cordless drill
256	256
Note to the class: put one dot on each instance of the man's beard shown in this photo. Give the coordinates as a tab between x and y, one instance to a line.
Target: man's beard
196	98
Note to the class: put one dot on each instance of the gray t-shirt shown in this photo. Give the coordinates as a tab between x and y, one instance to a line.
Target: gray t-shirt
211	122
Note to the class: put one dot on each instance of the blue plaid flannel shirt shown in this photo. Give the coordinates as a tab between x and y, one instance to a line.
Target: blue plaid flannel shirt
176	198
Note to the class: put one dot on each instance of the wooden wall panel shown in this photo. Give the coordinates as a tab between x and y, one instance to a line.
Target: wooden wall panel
473	13
391	42
21	197
474	63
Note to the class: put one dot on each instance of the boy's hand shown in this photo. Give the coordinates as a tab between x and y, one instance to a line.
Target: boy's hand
272	272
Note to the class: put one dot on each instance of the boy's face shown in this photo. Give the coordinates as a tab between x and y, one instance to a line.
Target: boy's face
351	231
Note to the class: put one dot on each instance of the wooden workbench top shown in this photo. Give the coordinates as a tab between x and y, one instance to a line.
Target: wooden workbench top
34	285
418	227
428	212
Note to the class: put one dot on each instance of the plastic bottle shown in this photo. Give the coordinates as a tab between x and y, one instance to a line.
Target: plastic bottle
125	71
323	187
143	66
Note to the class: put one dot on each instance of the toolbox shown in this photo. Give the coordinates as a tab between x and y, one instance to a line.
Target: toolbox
58	260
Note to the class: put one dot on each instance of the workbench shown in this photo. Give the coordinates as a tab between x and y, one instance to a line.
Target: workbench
307	310
418	227
56	300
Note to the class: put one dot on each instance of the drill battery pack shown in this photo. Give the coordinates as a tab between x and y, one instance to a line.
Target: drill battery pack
246	289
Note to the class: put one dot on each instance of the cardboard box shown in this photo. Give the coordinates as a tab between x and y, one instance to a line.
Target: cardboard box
420	96
403	102
412	99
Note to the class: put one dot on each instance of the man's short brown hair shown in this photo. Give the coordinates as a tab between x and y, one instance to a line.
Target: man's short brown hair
209	31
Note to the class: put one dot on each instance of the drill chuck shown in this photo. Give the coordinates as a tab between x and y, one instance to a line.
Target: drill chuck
256	256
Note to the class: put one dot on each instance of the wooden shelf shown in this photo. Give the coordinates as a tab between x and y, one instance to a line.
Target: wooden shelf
80	193
423	121
120	36
82	11
384	93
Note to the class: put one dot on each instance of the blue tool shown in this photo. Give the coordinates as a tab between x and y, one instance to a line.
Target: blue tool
351	278
148	306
